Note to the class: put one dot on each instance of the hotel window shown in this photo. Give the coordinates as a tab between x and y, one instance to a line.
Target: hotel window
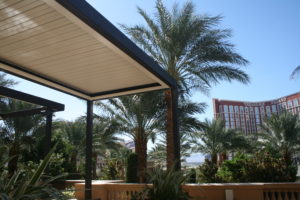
257	119
231	109
226	117
274	110
279	107
284	105
236	109
246	109
295	102
241	109
232	124
290	104
220	109
268	111
225	108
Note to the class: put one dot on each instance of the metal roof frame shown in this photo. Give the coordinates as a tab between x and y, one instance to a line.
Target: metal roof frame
101	26
86	13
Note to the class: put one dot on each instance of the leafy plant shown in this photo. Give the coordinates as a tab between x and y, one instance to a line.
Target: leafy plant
192	176
26	185
166	185
261	167
208	172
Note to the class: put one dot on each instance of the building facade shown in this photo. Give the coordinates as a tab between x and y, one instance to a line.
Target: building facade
248	116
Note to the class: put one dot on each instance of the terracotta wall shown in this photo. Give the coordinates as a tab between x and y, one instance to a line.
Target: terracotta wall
254	191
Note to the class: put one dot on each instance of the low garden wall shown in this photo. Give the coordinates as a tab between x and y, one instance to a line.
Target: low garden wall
249	191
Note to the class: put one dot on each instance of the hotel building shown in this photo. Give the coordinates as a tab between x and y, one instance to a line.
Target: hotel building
249	116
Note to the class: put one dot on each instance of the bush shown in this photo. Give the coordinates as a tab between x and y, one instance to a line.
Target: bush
166	185
208	172
25	184
192	176
261	167
132	171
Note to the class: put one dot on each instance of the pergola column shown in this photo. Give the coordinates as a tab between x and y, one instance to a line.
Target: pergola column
48	135
88	150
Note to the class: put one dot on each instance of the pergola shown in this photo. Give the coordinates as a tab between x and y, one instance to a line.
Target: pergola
68	46
45	107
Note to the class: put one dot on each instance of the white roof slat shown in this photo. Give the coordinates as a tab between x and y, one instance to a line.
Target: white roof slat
47	42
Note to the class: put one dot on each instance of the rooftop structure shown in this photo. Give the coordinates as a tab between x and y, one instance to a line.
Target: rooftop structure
249	116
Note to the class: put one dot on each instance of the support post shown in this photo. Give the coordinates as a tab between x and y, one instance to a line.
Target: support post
48	135
175	122
88	150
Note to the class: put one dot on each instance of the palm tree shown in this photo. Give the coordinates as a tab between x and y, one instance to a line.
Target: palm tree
216	140
18	131
74	132
191	48
189	126
140	119
6	82
104	138
281	132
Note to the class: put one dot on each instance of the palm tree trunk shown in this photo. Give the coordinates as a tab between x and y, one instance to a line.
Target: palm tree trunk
222	158
141	151
73	161
173	143
14	154
214	158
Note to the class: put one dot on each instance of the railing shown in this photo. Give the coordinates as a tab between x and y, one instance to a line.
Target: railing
281	192
123	191
251	191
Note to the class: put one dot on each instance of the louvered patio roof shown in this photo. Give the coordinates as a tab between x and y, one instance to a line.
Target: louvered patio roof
67	45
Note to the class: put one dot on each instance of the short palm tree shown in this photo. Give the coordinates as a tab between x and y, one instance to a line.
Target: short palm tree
281	132
74	132
191	48
104	138
18	131
217	140
140	119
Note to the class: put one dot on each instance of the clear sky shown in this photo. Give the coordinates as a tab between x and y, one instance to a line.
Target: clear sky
266	32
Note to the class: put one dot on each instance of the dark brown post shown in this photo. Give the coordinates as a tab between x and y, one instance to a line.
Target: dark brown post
48	135
88	151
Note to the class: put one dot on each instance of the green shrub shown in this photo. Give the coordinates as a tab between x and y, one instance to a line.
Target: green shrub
112	170
132	171
27	185
192	176
261	167
208	172
166	185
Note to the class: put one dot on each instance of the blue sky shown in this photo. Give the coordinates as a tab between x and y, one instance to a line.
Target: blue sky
267	33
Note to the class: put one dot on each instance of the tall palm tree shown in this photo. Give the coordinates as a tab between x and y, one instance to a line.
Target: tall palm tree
140	119
216	140
189	126
295	72
281	132
191	48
